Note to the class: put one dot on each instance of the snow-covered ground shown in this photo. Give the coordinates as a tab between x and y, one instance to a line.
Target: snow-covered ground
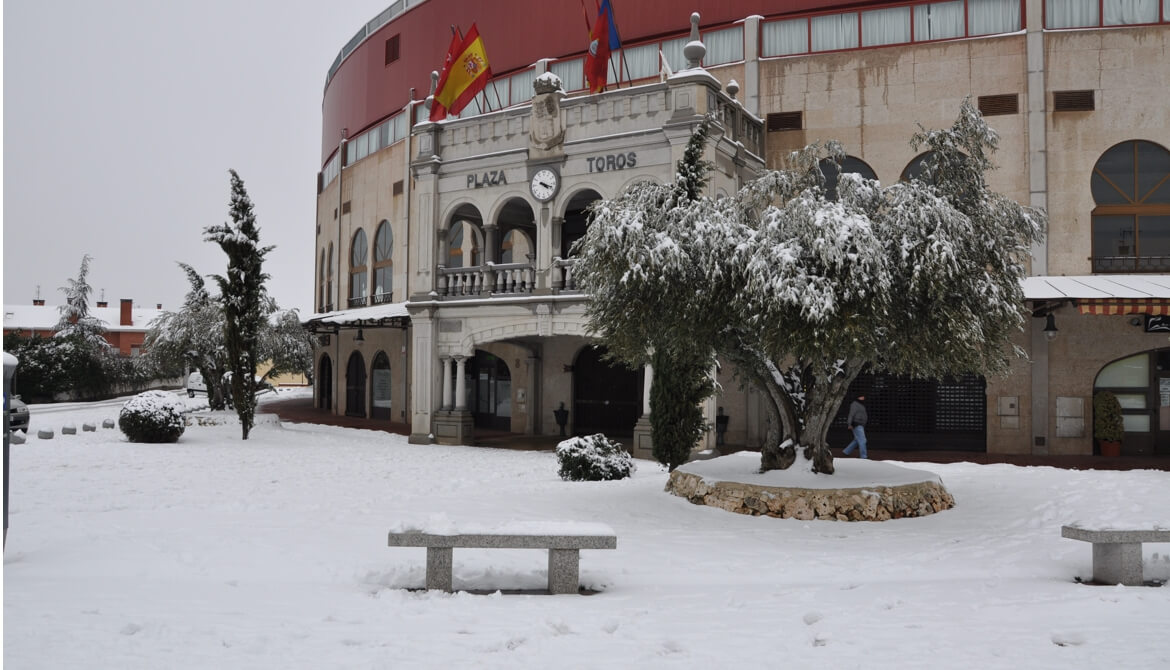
271	553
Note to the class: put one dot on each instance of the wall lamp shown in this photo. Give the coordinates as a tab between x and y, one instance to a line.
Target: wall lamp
1050	327
359	337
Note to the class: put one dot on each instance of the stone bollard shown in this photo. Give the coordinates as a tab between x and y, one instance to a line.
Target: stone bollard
69	430
88	428
45	434
16	438
108	423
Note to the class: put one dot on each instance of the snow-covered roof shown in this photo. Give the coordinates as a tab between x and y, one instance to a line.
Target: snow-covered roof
45	317
361	315
1089	287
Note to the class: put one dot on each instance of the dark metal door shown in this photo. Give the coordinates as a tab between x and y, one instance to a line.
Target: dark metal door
355	386
918	414
607	398
325	384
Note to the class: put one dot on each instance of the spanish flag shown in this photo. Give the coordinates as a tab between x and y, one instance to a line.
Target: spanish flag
465	74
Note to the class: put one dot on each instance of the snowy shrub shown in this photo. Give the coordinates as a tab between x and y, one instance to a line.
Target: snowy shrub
593	458
153	416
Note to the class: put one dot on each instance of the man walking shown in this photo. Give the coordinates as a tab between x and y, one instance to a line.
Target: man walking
857	419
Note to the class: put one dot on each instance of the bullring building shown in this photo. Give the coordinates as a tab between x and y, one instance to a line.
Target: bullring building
443	267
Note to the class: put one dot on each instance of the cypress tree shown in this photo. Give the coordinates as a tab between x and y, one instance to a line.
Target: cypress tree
243	296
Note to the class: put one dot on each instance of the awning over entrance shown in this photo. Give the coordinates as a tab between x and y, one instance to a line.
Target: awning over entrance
1103	294
1154	307
392	314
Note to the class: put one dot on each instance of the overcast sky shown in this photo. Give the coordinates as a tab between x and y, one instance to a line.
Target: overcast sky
122	118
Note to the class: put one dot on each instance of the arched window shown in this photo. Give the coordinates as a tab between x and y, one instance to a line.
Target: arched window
464	246
359	250
1131	220
321	282
832	170
515	247
916	168
383	263
329	280
380	387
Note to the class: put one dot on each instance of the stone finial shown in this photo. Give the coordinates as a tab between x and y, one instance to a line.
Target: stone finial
694	49
732	88
547	83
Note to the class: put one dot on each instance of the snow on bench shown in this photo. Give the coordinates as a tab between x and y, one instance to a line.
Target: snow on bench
1117	554
563	539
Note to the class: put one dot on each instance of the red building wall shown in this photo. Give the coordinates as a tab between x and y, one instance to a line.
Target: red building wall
516	34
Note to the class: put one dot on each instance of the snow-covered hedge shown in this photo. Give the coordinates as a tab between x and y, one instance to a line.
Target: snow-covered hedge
153	416
593	458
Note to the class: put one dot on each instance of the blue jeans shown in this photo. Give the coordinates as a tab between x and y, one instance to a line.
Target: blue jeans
858	441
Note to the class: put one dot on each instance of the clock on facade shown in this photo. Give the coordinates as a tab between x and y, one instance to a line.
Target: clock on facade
544	184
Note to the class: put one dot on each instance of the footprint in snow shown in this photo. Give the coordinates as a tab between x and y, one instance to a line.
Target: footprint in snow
130	629
812	617
1068	639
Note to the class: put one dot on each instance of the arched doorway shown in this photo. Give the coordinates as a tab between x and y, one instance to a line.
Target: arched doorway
489	391
607	397
325	383
380	387
576	220
355	385
1141	383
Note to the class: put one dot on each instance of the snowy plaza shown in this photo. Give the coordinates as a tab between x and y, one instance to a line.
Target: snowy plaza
271	553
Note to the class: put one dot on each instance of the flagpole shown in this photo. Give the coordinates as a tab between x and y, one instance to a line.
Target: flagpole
613	22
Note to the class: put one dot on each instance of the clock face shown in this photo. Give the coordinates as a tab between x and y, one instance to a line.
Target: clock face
544	184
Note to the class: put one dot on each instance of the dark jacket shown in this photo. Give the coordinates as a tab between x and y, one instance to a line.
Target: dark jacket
857	415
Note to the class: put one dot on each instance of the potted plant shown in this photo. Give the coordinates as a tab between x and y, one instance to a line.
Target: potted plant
1107	424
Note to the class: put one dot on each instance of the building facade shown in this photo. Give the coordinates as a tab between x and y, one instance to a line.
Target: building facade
443	278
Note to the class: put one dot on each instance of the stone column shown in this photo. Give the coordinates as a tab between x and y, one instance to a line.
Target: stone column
751	64
424	397
643	442
460	384
491	235
446	383
1037	116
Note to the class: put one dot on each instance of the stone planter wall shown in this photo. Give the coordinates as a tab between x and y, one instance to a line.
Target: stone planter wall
872	503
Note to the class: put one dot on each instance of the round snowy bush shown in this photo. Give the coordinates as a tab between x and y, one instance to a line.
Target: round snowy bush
593	458
153	416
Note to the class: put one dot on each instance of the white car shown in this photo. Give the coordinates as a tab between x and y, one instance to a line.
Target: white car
195	384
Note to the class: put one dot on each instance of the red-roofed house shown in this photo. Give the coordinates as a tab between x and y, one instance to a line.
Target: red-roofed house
126	325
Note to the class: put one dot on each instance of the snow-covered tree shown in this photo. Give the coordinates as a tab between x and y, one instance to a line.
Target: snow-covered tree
243	297
286	344
76	321
193	335
802	291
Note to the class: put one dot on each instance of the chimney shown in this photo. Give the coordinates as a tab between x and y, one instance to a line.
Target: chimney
126	318
38	302
158	306
103	303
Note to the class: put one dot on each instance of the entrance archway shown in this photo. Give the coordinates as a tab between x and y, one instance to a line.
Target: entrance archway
380	387
355	386
325	383
576	219
489	391
1141	383
607	397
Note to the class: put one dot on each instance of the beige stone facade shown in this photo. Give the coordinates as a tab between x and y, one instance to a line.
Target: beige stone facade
524	314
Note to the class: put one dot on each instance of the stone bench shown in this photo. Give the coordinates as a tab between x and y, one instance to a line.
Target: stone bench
564	542
1117	554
